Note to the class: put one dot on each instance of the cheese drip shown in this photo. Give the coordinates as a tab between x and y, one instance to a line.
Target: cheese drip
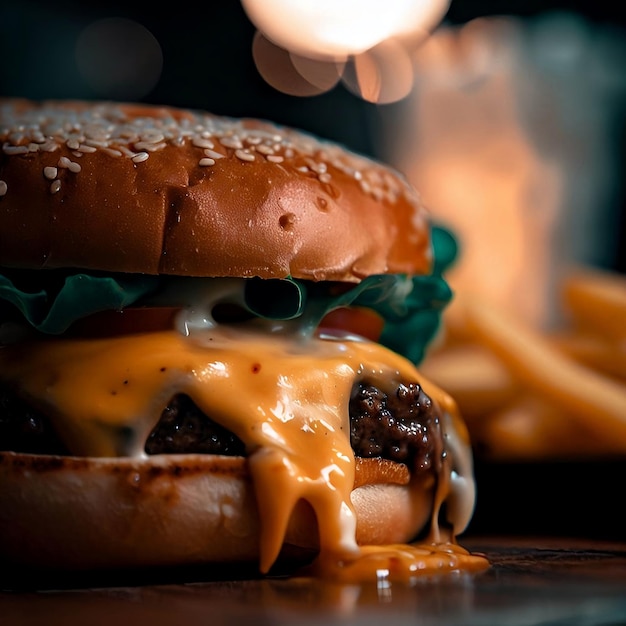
285	397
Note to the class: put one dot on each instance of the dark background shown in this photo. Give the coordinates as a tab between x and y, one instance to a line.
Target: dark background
207	63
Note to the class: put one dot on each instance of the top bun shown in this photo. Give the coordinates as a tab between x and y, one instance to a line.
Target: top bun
137	188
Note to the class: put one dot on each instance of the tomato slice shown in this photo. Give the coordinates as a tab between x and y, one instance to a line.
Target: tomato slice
356	320
125	322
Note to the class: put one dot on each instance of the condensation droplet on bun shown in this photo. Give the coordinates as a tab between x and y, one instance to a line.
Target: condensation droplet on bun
322	204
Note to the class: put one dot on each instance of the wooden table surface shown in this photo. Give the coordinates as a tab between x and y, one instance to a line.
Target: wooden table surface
531	581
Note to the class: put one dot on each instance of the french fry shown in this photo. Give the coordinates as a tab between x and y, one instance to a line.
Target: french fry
596	301
454	327
474	377
588	397
531	429
593	351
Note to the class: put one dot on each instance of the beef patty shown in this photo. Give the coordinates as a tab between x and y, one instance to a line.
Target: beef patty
403	426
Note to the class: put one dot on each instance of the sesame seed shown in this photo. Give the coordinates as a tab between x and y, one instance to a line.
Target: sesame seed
73	144
213	154
206	161
96	143
112	152
365	186
231	142
201	142
55	186
274	158
3	189
149	146
318	168
128	135
74	167
265	149
375	178
64	162
97	135
86	149
126	151
49	146
152	136
389	181
325	177
140	157
50	172
244	155
10	150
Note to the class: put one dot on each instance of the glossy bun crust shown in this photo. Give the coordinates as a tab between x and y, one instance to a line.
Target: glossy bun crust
134	188
167	510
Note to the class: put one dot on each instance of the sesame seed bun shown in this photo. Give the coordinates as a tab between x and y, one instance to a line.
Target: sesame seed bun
131	188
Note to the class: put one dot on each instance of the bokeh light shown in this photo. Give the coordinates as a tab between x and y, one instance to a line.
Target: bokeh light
382	75
368	44
289	73
119	58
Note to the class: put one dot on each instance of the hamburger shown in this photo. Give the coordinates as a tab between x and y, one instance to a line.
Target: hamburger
209	329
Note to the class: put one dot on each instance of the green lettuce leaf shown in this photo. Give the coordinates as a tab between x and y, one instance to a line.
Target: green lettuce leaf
80	295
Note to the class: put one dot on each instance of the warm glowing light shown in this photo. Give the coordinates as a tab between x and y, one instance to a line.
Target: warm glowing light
383	74
290	74
304	47
465	144
332	30
506	136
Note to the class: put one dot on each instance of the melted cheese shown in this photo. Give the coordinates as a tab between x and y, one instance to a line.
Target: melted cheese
286	397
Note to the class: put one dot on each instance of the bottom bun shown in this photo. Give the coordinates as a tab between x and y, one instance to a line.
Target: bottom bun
70	513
